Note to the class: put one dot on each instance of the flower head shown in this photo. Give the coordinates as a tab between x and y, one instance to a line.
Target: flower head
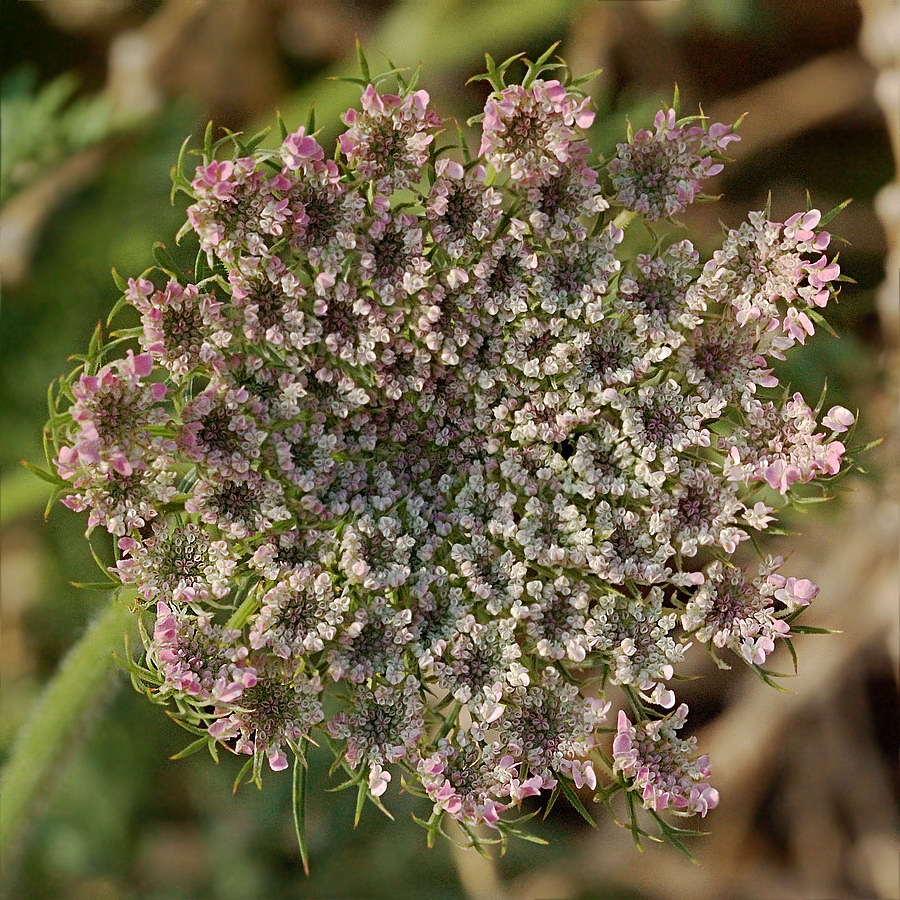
664	768
736	610
271	715
383	724
111	416
658	173
764	262
183	328
469	779
183	563
197	659
531	131
387	141
552	727
429	456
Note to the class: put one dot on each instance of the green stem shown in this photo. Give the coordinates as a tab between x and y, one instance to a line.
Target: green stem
74	688
243	612
449	721
299	805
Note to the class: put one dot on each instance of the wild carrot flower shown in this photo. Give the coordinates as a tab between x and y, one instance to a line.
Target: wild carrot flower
178	561
387	141
763	262
111	416
382	726
267	298
780	445
426	456
552	727
557	205
230	198
664	768
657	294
462	210
480	665
239	508
732	609
658	173
468	779
183	329
530	131
273	714
216	434
298	615
198	659
123	503
633	638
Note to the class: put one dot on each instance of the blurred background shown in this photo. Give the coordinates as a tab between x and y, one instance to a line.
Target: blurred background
97	96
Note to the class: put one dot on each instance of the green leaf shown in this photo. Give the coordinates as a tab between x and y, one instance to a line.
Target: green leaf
531	838
193	729
360	801
434	825
243	612
584	79
449	721
165	261
670	833
118	280
538	66
202	271
180	181
298	803
241	776
871	445
208	143
834	212
793	652
575	800
56	495
192	748
344	785
282	128
251	144
42	473
807	500
117	307
551	802
363	63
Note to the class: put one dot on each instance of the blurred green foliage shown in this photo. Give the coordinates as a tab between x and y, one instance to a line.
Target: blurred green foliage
43	124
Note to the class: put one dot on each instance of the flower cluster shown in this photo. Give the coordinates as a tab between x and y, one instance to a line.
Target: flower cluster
662	766
420	466
658	173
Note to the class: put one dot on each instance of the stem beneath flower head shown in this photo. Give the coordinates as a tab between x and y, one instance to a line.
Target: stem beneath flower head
76	686
298	796
243	612
449	721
